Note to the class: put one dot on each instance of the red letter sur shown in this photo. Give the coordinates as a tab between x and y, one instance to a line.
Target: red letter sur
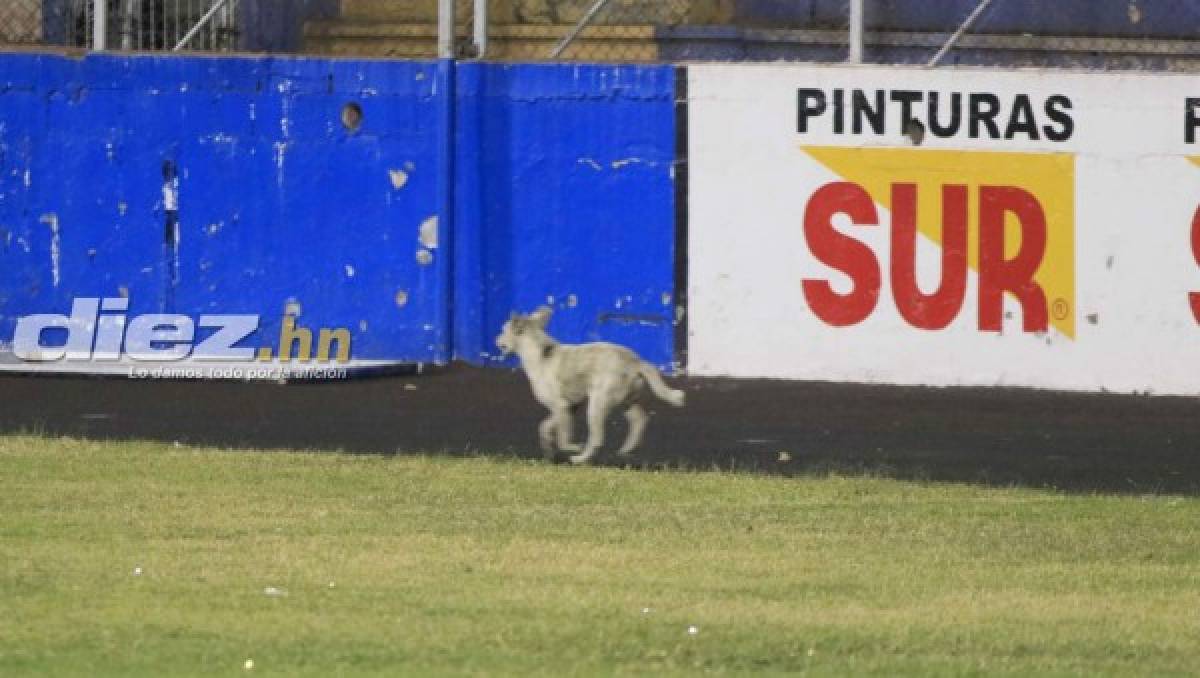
1194	297
997	274
929	311
841	252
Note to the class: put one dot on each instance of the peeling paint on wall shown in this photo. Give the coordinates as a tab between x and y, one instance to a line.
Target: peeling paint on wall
620	164
51	220
280	160
399	178
429	233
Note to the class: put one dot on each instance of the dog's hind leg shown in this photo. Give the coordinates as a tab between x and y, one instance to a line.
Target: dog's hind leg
597	412
637	418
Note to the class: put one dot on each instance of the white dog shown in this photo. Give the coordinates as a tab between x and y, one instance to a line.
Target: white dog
606	375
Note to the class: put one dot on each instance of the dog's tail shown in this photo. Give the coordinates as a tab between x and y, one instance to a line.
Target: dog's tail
655	381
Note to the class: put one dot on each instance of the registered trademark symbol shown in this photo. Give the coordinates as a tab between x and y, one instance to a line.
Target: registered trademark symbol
1061	309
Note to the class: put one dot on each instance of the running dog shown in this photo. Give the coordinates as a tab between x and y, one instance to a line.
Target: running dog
563	376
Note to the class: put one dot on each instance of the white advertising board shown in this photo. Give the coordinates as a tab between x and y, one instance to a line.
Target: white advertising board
945	227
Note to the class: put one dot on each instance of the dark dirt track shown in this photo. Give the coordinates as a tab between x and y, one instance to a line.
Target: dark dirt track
1075	442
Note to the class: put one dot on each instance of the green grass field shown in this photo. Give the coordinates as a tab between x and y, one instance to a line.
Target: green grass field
438	566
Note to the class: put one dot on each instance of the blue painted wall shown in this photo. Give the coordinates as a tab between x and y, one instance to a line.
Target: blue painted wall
279	203
561	184
566	197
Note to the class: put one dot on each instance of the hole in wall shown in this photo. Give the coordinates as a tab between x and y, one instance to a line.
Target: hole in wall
352	117
915	131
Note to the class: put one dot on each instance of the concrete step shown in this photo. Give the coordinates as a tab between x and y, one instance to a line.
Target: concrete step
505	41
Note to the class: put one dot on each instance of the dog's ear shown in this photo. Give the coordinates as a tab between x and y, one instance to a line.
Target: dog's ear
541	317
512	315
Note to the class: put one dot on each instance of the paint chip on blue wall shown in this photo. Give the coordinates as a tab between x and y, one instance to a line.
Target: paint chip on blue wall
399	178
429	233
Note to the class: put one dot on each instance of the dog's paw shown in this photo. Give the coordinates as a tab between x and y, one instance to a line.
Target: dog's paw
578	459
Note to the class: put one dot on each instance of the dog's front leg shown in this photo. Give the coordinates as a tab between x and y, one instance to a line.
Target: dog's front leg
564	423
546	431
597	413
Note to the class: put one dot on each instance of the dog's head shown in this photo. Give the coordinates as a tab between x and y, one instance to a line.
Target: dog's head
521	327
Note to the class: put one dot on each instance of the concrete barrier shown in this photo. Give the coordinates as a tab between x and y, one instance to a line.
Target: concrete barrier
369	197
951	227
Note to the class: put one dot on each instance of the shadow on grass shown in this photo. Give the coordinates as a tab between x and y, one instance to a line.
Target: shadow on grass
996	437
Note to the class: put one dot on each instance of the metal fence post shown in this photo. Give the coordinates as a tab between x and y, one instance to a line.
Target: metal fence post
856	32
481	28
445	43
99	25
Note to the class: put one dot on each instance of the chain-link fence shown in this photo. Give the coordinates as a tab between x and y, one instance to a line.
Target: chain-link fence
209	25
1115	34
516	30
589	30
600	30
21	22
157	24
